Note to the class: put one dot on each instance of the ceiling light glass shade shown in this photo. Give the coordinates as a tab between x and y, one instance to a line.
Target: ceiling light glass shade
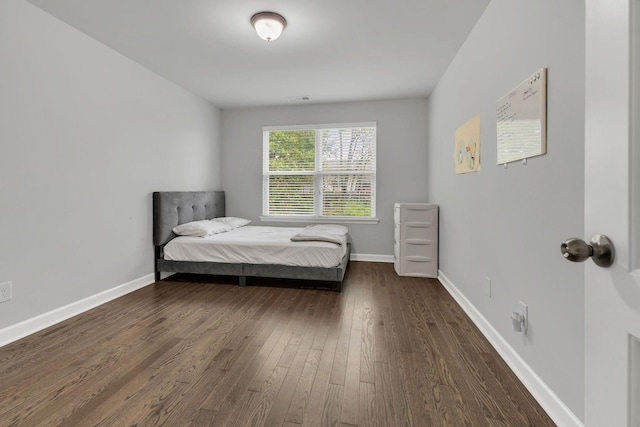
268	25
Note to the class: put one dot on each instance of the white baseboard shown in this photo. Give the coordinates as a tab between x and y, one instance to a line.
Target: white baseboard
550	402
27	327
372	258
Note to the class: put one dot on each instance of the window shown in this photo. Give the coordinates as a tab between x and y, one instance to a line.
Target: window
319	171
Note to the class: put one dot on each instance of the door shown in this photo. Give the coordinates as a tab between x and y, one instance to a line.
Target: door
612	198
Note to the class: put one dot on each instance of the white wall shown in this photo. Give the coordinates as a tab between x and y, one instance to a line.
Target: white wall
401	150
508	224
86	136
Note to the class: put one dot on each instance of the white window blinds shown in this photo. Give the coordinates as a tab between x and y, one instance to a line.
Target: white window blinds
320	171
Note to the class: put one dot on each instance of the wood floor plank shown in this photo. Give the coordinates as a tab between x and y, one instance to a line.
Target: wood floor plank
207	337
80	406
421	390
463	332
397	310
480	381
351	391
74	335
385	412
226	334
453	412
339	368
167	402
423	361
270	362
300	321
238	392
223	400
332	406
430	342
367	405
402	405
261	402
441	368
232	374
58	389
380	353
300	398
202	351
283	400
320	386
513	390
380	305
202	418
367	351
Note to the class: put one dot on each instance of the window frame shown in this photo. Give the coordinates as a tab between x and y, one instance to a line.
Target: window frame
317	175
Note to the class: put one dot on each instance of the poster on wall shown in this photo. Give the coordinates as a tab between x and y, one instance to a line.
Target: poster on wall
466	153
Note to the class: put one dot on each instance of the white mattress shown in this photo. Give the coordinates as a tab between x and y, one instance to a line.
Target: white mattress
256	245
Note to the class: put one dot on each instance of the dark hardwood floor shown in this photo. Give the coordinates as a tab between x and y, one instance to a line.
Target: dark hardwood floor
388	351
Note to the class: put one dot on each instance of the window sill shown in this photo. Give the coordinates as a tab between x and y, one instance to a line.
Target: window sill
336	220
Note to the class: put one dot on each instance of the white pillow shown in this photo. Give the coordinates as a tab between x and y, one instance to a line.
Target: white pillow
201	228
232	221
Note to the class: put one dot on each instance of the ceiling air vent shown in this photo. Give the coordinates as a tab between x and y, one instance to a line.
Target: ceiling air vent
297	98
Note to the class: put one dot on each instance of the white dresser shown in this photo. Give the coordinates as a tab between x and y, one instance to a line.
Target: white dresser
416	239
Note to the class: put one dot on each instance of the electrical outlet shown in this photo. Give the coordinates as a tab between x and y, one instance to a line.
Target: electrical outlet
487	286
524	311
5	291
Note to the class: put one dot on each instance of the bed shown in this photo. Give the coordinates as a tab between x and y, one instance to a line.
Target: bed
173	208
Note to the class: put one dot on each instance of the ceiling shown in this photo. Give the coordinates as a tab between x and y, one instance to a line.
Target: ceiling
331	50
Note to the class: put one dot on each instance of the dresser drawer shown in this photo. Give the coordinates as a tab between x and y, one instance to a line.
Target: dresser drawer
417	230
424	248
415	214
418	266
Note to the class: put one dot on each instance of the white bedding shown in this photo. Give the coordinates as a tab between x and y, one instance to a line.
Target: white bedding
256	245
323	232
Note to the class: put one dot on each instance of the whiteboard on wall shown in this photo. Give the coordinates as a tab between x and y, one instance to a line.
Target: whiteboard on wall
521	120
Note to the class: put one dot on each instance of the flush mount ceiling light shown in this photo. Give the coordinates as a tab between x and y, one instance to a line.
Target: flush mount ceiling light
268	25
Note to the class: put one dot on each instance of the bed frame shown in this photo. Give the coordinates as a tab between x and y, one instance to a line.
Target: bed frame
171	208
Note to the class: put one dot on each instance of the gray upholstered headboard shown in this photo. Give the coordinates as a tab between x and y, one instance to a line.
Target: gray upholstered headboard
171	208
